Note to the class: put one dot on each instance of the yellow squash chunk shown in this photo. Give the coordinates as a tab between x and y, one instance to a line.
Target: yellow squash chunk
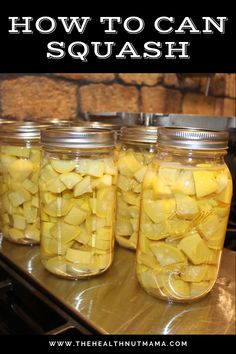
5	219
209	226
18	198
159	210
104	208
195	249
205	183
110	167
177	227
198	273
64	233
20	170
149	280
75	216
135	224
100	244
94	223
216	241
46	229
147	259
102	182
132	198
124	241
222	181
122	207
83	187
149	179
184	183
56	265
16	234
70	179
133	211
90	167
160	187
35	201
35	155
167	254
48	197
139	175
168	175
125	183
51	247
154	231
47	173
128	164
133	240
124	227
63	166
108	194
78	256
19	151
137	188
104	233
226	195
58	207
32	232
19	222
55	186
186	207
198	289
83	236
30	186
6	161
29	212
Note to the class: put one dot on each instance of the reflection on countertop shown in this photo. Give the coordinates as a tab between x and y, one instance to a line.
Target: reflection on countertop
115	303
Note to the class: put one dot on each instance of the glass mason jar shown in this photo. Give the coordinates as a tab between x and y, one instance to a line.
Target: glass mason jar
20	164
3	121
137	150
77	201
185	206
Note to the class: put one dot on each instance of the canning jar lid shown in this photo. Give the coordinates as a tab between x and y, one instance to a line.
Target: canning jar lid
22	130
78	137
139	134
195	139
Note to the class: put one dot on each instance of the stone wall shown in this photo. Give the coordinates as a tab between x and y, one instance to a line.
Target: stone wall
68	95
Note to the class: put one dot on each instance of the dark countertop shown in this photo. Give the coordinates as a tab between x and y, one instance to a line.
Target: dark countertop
115	303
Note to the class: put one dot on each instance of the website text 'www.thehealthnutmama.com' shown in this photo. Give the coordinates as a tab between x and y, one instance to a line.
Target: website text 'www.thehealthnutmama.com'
117	343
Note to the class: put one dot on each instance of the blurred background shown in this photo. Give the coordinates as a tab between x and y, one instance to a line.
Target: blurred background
68	96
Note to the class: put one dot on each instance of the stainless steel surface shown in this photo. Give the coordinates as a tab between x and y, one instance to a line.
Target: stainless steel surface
115	303
218	123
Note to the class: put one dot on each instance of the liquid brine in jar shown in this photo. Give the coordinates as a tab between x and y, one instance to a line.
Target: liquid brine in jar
77	201
20	164
138	145
185	207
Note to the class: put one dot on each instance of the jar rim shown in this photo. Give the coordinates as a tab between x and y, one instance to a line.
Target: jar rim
192	138
22	130
78	137
139	134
